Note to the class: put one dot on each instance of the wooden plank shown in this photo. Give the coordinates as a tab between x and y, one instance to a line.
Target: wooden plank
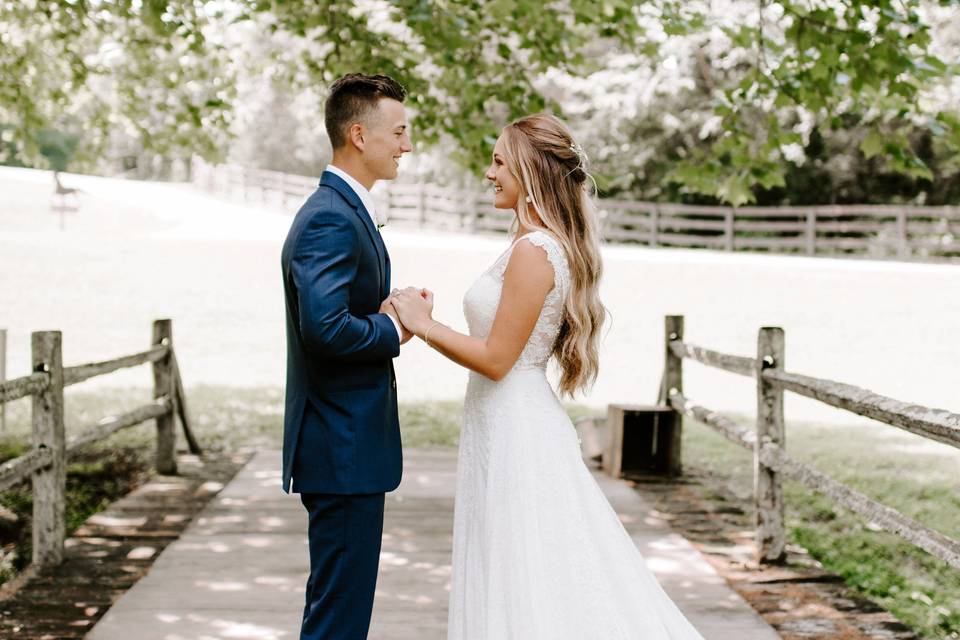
795	242
180	405
638	236
936	424
111	424
15	471
739	435
933	227
50	482
79	373
166	461
618	218
771	226
934	243
685	224
773	212
770	534
734	364
689	240
853	226
933	542
860	244
23	387
878	211
672	208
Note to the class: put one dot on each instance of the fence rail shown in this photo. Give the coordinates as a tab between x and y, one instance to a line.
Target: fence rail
903	232
45	463
771	461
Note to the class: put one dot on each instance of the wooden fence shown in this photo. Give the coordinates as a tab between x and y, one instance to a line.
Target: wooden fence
767	441
46	462
878	231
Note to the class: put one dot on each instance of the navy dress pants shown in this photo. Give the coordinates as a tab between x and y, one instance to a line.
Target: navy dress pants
344	534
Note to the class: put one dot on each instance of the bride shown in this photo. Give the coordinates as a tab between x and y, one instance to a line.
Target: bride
538	552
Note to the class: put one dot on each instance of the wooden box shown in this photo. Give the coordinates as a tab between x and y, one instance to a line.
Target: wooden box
642	439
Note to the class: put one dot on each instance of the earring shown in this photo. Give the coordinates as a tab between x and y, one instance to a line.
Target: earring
529	199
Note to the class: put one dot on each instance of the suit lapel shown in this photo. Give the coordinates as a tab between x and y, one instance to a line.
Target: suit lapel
336	182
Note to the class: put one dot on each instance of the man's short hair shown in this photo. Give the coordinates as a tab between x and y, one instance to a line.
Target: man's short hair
352	97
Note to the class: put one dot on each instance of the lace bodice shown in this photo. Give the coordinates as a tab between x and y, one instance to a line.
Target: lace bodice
482	299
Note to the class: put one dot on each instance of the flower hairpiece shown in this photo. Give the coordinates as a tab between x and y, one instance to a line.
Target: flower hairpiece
577	149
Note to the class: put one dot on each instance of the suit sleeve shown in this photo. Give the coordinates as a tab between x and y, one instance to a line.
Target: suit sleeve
324	264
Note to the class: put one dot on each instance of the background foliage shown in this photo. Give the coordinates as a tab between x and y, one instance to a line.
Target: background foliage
730	100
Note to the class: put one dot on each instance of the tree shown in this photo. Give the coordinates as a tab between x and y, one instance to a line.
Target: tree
471	66
647	118
112	68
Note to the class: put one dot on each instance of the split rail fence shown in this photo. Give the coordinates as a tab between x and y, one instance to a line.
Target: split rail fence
45	464
878	231
767	440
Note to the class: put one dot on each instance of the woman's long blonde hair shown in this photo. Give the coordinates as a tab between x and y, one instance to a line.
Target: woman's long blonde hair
539	151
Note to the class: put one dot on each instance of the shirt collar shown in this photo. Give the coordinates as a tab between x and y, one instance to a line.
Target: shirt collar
358	189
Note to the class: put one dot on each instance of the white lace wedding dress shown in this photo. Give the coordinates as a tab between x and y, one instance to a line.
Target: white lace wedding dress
538	552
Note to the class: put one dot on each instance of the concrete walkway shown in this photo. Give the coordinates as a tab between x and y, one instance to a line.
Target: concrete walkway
238	570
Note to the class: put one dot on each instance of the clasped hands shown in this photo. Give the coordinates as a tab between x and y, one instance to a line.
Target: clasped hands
412	308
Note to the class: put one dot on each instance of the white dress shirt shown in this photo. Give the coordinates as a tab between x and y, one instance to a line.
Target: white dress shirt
367	201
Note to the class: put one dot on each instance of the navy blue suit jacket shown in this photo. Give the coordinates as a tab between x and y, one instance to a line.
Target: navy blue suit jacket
341	433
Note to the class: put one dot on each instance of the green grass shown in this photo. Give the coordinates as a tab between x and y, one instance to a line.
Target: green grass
895	468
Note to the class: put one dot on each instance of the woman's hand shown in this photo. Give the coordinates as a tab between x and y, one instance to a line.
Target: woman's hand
414	306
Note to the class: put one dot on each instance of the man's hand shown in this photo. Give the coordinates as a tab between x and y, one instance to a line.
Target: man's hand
387	308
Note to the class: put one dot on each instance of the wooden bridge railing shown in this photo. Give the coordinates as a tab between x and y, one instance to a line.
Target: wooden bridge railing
45	464
881	231
771	461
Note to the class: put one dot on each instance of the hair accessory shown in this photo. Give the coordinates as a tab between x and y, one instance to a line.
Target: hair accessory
577	149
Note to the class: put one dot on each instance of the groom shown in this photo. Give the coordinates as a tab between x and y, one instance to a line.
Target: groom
341	435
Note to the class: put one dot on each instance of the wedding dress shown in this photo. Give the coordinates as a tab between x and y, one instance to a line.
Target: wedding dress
538	552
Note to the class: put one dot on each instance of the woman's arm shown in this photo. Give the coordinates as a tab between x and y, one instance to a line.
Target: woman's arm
527	281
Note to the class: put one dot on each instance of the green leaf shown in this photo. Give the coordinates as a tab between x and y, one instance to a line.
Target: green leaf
872	144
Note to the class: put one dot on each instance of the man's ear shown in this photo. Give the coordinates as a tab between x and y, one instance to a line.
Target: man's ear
355	135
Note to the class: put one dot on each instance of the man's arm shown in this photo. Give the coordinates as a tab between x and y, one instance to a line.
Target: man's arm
324	265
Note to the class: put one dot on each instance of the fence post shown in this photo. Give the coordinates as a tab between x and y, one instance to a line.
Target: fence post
50	483
163	386
654	224
3	378
728	216
767	487
673	383
902	251
811	233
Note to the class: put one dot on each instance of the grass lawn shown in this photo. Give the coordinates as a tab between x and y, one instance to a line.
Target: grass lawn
896	468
